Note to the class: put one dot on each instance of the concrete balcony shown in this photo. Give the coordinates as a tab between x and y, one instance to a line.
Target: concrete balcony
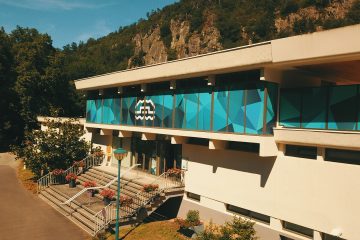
217	140
314	137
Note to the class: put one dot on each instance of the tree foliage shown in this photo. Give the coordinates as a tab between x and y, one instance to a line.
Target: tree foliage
56	147
237	229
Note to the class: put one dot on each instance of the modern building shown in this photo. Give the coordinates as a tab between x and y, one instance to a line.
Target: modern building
269	131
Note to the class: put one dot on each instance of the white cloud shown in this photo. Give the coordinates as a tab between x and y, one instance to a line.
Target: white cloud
54	4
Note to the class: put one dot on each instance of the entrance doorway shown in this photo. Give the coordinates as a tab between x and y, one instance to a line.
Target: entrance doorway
157	156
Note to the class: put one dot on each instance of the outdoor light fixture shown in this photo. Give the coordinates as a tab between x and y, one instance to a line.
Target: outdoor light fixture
119	154
211	80
101	92
119	90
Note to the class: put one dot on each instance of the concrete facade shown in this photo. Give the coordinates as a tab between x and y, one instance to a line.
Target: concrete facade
313	192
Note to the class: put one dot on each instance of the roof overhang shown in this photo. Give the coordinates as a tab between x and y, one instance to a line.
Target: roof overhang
341	44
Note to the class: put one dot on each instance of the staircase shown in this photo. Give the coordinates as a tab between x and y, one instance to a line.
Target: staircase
92	215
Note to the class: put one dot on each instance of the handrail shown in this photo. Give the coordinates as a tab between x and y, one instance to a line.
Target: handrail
49	178
100	187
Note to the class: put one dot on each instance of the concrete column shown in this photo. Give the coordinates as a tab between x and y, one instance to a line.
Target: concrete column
281	147
217	144
320	154
125	134
148	136
276	224
178	140
106	132
317	235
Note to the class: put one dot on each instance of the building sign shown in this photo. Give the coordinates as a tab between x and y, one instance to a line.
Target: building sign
145	109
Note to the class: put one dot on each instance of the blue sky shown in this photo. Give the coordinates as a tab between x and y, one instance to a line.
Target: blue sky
68	21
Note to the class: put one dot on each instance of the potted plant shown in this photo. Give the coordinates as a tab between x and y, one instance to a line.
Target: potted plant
125	201
79	165
98	152
108	195
58	174
174	172
192	222
89	184
71	178
150	187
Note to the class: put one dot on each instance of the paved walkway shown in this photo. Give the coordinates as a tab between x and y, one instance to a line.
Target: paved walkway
24	216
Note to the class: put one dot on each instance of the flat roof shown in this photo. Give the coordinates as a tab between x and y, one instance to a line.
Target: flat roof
340	44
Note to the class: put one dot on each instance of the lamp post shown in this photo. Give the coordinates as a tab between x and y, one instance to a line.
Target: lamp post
119	154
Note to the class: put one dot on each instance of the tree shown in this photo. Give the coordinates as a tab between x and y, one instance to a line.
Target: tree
10	126
56	147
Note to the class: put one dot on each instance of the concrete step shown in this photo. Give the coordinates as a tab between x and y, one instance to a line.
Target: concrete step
46	197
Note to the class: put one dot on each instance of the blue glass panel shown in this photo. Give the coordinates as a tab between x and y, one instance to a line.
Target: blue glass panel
290	107
116	110
220	110
343	104
236	110
191	110
155	103
98	103
131	115
271	108
314	108
90	110
108	115
124	110
141	111
168	110
179	111
254	110
204	116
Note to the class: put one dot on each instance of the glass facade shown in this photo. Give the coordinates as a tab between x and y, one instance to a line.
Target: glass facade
333	107
244	107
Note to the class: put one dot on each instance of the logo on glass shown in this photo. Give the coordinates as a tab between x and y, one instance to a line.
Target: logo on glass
145	109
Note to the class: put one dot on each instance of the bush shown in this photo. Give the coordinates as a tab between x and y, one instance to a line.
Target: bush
193	217
237	229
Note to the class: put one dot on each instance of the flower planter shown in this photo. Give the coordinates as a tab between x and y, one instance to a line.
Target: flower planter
91	193
106	201
72	183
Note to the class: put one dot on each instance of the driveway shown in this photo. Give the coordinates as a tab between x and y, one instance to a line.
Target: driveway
24	216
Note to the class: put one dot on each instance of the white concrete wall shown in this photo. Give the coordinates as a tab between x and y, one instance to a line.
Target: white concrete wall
316	194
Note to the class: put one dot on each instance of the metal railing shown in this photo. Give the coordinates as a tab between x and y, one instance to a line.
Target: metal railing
100	187
104	217
50	178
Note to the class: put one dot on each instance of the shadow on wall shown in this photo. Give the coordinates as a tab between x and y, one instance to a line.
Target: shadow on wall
234	160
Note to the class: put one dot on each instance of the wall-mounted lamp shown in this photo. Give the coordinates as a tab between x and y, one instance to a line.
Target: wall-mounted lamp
101	92
211	80
120	90
143	87
172	84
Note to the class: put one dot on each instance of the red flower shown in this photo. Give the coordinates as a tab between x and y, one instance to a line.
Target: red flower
71	176
150	187
57	172
107	193
89	184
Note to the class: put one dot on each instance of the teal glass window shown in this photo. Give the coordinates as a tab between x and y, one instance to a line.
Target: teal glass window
271	106
191	110
254	110
157	100
128	110
116	111
220	110
98	103
290	107
131	116
91	110
343	107
314	108
140	106
108	114
236	110
204	114
179	110
168	111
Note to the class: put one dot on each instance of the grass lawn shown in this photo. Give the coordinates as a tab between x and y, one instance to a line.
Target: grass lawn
26	178
163	230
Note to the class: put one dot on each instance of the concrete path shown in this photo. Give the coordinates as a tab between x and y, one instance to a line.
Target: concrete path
24	216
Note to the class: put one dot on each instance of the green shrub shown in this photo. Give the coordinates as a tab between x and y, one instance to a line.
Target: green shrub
193	217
